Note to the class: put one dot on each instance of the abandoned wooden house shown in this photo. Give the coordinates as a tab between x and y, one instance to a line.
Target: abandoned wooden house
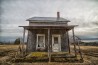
48	34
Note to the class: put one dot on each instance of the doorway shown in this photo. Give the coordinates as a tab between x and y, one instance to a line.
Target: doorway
56	43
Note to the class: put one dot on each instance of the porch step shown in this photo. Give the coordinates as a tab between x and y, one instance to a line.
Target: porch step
64	56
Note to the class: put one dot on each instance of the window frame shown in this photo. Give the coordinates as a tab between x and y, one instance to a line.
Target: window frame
37	40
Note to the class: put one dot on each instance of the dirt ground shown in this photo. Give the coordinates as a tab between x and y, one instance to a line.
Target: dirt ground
7	53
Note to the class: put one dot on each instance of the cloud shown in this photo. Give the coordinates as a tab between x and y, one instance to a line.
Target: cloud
14	13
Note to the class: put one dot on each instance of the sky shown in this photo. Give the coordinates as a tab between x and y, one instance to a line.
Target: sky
13	13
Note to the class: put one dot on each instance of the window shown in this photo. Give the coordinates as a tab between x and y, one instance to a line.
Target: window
55	40
40	40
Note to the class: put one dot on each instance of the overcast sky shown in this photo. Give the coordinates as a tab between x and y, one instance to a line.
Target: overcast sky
14	13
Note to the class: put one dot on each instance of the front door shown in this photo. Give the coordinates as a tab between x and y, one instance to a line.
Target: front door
56	43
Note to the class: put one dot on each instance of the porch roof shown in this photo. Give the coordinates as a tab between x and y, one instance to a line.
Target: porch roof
68	27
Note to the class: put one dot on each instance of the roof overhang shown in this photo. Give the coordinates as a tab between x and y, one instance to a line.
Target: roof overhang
68	27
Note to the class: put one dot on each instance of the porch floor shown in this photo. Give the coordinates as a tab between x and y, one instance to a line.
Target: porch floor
43	57
53	54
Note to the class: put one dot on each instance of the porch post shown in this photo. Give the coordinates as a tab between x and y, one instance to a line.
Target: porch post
74	42
68	42
49	53
27	41
23	41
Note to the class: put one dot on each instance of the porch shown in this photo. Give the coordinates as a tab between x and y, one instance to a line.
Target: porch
50	54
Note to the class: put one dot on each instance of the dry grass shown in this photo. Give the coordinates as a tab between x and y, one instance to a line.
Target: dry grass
53	63
6	50
90	54
89	48
8	47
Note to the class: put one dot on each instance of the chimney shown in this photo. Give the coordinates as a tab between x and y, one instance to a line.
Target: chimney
58	15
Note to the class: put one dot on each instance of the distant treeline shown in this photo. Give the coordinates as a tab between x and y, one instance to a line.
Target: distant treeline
82	43
5	43
89	43
16	42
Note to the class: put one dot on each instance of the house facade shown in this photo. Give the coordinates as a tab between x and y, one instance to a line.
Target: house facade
48	34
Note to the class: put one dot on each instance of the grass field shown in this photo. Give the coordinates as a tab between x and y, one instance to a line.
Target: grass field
90	54
7	49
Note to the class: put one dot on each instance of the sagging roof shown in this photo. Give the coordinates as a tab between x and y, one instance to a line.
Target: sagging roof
48	19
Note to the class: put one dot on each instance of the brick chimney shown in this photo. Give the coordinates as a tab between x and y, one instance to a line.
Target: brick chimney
58	15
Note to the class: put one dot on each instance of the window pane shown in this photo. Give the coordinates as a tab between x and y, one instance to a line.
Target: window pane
55	40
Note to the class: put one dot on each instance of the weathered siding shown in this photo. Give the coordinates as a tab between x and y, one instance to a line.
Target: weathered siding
31	46
64	43
47	24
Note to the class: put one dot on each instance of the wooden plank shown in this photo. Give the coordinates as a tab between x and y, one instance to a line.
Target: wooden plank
74	42
27	41
80	51
23	42
68	42
49	53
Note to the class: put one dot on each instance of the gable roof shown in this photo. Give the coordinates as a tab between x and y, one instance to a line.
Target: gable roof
48	19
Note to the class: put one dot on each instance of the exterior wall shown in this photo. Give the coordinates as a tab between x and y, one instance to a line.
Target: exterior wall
31	41
64	43
47	23
31	45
